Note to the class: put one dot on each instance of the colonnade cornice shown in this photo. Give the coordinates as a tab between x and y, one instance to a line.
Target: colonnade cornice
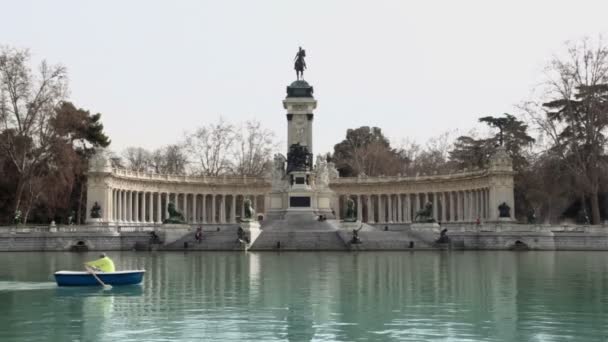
181	179
458	176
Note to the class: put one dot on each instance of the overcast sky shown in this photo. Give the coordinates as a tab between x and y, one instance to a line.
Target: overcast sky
156	69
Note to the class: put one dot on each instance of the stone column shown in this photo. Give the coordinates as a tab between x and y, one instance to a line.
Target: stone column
359	209
185	208
166	206
381	216
123	209
458	205
194	211
443	207
406	210
435	206
243	206
338	207
474	207
214	199
118	206
233	209
131	206
451	200
370	212
469	205
124	206
143	207
223	209
204	208
115	205
159	209
389	203
416	204
136	206
399	209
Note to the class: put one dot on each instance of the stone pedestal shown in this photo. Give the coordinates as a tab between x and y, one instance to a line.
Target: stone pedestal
172	232
426	227
95	221
252	230
349	225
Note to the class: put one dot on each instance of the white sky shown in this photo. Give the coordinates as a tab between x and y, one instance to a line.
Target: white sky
416	69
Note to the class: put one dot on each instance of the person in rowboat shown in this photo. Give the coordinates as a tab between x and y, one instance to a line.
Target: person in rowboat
103	264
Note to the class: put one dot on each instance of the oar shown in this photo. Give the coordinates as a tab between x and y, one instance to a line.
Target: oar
105	286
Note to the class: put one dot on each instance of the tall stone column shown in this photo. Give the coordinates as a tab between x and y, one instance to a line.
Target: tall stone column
136	206
223	209
444	209
370	213
118	206
475	204
389	203
131	206
450	201
435	206
399	209
185	208
204	208
470	206
416	204
359	209
243	206
143	207
114	204
124	206
381	216
407	210
194	209
214	200
159	209
233	209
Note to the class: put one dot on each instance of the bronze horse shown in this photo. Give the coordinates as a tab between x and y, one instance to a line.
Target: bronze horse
300	64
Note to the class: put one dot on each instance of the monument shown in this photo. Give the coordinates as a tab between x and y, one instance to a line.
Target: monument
298	186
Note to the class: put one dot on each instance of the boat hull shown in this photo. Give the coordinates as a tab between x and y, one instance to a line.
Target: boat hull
75	278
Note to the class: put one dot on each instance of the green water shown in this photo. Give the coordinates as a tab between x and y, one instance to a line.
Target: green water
374	296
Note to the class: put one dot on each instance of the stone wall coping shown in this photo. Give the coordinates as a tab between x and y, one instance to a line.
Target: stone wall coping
171	178
462	175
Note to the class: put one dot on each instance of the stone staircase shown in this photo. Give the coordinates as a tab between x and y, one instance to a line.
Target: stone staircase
389	240
225	240
299	240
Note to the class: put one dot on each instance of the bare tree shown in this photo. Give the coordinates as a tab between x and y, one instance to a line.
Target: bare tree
573	114
137	158
208	148
170	159
27	103
252	149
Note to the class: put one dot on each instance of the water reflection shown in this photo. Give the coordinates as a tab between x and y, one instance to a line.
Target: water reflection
385	296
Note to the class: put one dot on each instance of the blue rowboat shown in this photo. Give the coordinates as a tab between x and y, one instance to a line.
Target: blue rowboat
79	278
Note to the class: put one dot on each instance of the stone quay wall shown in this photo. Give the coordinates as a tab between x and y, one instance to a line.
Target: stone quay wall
382	237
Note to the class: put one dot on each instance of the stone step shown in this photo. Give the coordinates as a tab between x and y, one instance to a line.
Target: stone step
382	240
299	240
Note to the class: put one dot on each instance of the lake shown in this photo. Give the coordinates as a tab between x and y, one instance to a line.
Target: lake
306	296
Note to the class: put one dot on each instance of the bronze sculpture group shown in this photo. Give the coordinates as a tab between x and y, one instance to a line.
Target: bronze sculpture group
300	64
425	215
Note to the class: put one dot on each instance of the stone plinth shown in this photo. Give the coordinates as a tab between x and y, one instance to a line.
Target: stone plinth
349	225
172	232
426	227
252	230
95	221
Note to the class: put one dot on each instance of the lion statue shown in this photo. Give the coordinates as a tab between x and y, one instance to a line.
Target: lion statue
249	211
174	215
425	214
